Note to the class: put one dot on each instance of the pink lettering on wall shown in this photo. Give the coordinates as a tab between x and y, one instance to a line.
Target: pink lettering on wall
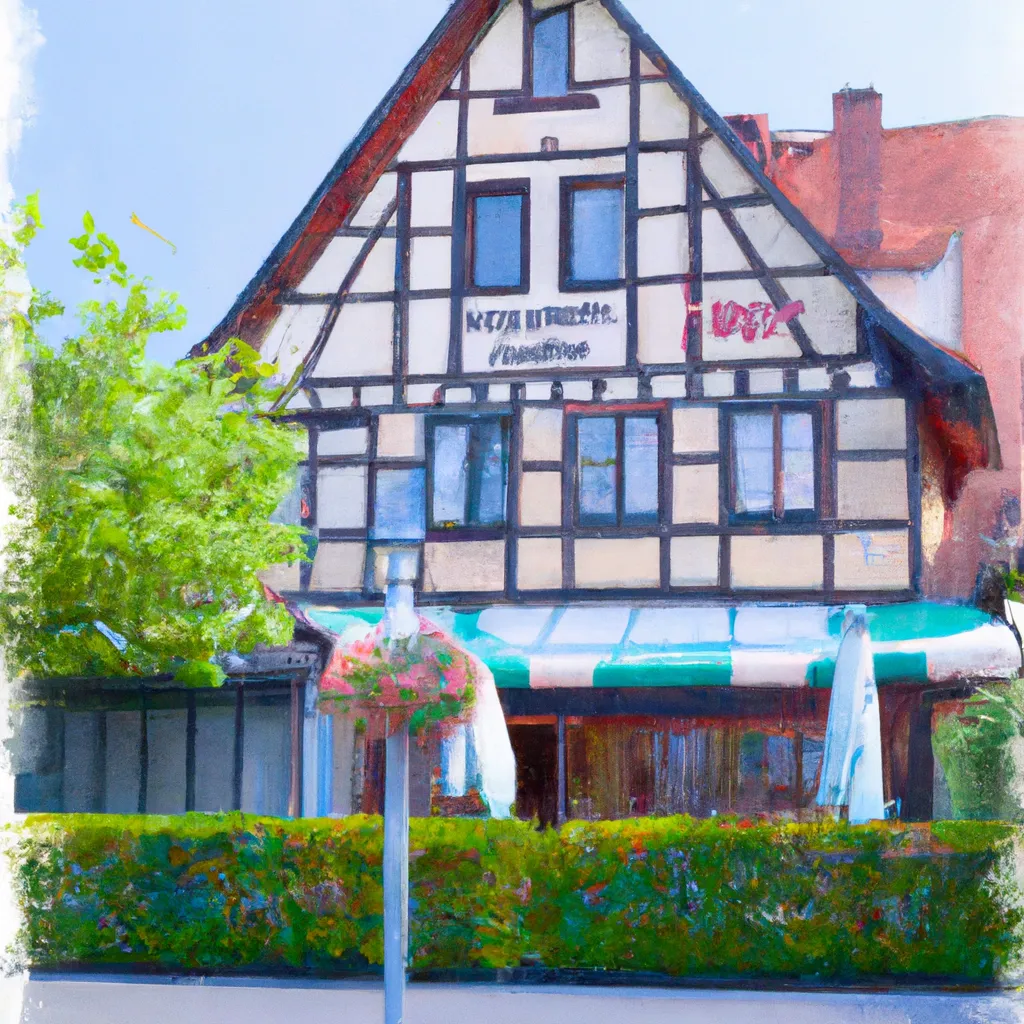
754	322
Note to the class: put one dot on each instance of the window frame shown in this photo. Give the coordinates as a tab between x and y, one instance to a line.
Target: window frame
622	521
778	512
472	490
498	188
568	186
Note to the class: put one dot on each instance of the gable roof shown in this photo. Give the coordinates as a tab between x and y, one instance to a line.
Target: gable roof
957	402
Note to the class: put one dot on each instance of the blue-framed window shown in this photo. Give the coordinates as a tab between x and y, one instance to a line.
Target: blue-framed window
468	478
593	232
498	237
773	463
617	468
552	39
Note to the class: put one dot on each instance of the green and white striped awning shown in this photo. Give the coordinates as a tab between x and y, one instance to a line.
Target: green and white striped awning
753	645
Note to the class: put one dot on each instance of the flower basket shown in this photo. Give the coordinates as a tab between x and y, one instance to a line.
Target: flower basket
412	682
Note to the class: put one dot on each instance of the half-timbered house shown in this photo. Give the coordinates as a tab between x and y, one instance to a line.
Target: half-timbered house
547	322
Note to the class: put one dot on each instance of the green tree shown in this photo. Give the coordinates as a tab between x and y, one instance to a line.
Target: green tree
143	493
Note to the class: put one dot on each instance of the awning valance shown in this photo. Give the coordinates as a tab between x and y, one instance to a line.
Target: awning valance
752	645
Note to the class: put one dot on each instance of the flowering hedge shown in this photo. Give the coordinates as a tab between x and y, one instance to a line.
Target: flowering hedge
669	895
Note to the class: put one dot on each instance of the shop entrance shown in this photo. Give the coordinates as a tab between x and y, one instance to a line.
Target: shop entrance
535	743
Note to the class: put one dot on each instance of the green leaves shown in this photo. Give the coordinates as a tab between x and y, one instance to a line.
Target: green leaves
142	500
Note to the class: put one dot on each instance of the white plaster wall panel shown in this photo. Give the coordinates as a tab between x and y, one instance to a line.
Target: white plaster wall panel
431	263
299	402
400	436
341	497
815	379
336	398
605	127
431	199
361	342
329	271
668	387
376	202
871	424
648	68
695	494
661	180
437	136
873	490
292	336
497	62
621	389
751	310
601	48
540	499
422	394
499	392
477	566
456	83
663	245
542	435
863	375
694	429
281	578
777	563
873	561
663	115
546	173
351	441
719	385
429	332
767	382
662	321
538	391
622	563
724	171
378	272
695	561
577	390
720	248
338	567
376	395
539	565
458	396
830	316
777	242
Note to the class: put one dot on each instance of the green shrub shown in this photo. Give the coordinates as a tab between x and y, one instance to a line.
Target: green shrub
670	895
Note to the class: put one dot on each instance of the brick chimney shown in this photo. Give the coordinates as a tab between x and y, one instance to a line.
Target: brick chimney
752	130
857	136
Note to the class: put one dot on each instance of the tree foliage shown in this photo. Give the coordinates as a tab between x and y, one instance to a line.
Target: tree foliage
143	493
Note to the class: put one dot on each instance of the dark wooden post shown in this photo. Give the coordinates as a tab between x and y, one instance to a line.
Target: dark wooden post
295	785
920	762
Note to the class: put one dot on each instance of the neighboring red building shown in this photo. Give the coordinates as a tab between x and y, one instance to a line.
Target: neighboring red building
932	216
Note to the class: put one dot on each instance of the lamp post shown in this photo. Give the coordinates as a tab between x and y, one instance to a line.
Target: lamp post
401	623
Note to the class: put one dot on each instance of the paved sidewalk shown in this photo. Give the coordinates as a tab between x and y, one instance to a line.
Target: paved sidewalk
71	1000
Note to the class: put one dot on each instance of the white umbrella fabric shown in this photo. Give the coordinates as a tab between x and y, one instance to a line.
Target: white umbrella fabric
851	768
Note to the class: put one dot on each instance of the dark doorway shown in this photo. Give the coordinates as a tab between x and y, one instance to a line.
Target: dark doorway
536	750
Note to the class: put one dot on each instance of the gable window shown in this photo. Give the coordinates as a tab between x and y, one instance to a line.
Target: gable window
773	464
468	469
499	237
593	225
551	42
617	474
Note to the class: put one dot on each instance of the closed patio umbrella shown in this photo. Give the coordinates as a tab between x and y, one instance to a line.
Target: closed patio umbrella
851	769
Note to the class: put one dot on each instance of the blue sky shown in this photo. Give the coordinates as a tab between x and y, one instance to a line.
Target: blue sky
214	120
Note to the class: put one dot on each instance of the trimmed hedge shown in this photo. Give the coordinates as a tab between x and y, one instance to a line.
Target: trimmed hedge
675	896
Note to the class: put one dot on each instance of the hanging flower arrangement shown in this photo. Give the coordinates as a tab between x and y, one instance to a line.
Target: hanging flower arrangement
425	679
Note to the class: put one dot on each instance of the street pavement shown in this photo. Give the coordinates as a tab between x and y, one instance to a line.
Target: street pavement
77	1000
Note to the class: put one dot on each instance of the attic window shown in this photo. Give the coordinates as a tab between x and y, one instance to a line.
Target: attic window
547	71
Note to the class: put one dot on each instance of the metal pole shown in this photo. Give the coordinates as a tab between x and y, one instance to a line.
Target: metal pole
396	874
401	622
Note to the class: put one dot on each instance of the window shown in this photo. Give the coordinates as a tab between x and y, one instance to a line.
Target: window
551	55
617	470
499	237
592	232
773	472
398	507
468	472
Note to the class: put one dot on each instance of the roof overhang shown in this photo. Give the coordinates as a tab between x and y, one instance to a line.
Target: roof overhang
746	645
